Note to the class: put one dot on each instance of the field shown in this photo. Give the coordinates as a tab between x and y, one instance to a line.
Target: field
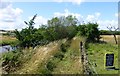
96	54
7	40
109	38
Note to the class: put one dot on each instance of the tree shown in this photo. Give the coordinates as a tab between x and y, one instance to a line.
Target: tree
57	28
113	32
82	30
29	37
63	27
105	32
93	33
89	30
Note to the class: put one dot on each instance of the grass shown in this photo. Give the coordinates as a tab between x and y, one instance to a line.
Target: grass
96	54
35	64
48	66
7	40
56	59
11	59
53	58
71	63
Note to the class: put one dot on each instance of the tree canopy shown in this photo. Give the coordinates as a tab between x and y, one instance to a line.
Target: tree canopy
89	30
56	28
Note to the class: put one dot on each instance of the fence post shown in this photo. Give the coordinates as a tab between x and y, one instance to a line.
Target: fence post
82	55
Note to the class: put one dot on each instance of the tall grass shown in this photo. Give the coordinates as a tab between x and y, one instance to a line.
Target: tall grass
71	63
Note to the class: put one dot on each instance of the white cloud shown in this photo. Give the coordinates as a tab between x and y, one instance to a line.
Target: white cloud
67	13
103	24
39	20
93	18
78	2
116	14
10	14
89	18
10	17
4	4
97	14
60	0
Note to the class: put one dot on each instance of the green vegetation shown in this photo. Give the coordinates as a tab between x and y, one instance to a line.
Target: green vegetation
96	55
54	48
65	62
107	32
11	60
56	28
14	60
58	60
52	63
71	63
89	30
8	40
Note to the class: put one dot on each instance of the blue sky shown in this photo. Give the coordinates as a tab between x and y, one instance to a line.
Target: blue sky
46	9
104	13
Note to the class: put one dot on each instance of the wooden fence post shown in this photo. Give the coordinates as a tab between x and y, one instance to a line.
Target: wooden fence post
82	55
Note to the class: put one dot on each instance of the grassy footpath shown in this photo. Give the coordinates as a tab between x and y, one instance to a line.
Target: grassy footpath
7	40
96	54
66	60
71	63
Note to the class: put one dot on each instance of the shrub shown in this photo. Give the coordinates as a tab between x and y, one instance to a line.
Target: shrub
50	66
59	55
63	48
46	72
10	60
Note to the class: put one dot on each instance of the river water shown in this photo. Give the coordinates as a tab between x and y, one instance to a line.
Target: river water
6	48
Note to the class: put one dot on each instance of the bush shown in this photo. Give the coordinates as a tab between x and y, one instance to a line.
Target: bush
11	60
89	30
107	32
50	66
46	72
59	55
63	48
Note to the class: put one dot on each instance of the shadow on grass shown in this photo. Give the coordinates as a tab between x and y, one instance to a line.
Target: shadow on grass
112	68
89	41
100	42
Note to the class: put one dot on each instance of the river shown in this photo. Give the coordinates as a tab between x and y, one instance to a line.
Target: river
6	48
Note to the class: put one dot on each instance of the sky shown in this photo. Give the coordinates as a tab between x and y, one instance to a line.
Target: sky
13	14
